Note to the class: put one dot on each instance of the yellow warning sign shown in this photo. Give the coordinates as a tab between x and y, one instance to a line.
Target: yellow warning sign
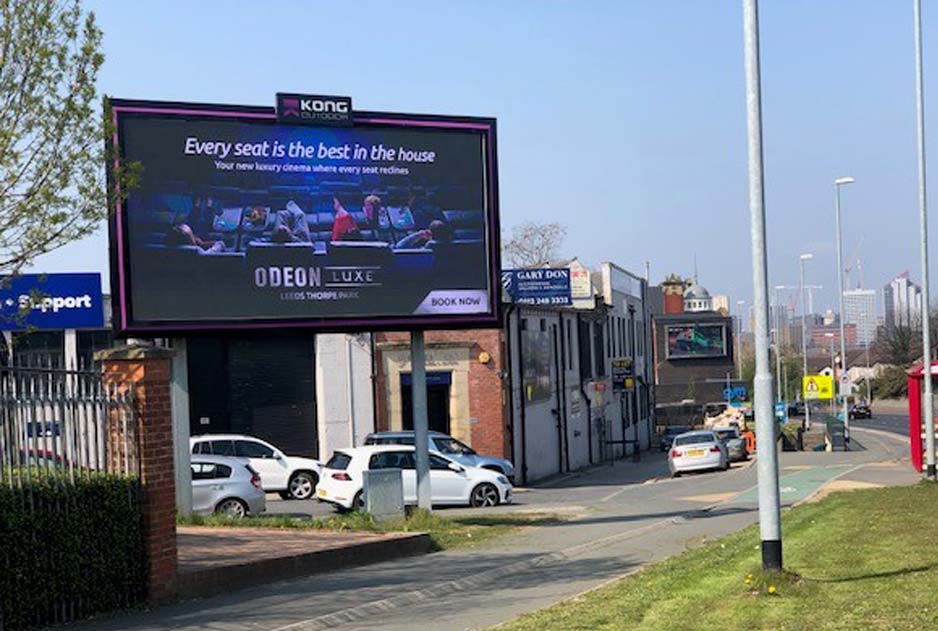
817	387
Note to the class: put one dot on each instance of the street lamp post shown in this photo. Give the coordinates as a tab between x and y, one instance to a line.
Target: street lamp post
770	528
841	384
928	411
776	312
804	337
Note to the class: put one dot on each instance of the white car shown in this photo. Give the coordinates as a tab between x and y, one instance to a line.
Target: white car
697	451
450	482
291	476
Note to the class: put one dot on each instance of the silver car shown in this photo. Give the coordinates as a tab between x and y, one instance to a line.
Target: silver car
697	451
735	443
226	486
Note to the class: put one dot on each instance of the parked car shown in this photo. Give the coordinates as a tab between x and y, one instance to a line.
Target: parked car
735	443
669	433
697	451
450	482
226	486
447	446
860	410
291	476
796	408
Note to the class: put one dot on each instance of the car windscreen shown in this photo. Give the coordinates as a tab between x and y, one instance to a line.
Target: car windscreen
693	439
449	445
339	461
674	431
726	434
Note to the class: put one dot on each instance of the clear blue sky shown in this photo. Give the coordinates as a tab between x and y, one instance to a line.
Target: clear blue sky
623	120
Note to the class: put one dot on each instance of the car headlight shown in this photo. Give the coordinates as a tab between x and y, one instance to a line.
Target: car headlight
502	479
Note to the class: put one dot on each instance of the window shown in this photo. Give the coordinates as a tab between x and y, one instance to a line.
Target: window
210	471
392	460
199	447
569	346
439	464
339	461
223	448
251	449
599	370
452	446
583	348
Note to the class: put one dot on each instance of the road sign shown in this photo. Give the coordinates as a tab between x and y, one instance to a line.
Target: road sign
817	387
781	411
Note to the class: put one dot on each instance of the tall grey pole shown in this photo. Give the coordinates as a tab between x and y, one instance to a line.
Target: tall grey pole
841	385
770	530
928	411
804	342
418	364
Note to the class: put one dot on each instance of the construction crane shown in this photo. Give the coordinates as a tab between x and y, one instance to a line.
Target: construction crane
854	256
795	297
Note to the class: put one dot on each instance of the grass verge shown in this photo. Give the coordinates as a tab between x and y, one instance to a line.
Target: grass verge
863	559
447	533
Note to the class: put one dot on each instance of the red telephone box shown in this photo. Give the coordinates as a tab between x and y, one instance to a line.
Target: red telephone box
916	424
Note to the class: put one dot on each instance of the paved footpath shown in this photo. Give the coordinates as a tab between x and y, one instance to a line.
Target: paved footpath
620	522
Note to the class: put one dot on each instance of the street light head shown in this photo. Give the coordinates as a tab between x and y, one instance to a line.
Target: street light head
844	180
806	257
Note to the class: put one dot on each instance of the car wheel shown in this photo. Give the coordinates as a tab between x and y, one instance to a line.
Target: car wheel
232	508
675	474
284	495
302	485
358	502
726	465
484	495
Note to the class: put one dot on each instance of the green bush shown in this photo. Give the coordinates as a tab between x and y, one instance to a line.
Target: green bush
892	383
69	550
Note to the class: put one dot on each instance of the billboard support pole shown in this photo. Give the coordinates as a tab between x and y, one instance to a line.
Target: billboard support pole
418	364
179	405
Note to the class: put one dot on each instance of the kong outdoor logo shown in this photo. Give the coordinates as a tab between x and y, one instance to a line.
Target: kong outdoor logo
314	109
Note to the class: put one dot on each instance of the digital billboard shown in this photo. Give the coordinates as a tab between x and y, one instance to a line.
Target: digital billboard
697	340
241	221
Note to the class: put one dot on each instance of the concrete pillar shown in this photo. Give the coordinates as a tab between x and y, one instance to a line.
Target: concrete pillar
344	401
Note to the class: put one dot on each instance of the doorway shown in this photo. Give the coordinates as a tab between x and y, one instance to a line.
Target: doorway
438	384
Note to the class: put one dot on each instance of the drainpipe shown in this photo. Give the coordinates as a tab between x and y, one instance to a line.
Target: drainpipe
509	378
558	399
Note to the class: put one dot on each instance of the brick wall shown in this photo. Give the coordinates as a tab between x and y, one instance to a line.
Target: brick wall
147	371
486	392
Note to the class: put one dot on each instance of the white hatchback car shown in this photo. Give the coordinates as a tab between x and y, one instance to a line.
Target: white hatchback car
697	451
291	476
450	482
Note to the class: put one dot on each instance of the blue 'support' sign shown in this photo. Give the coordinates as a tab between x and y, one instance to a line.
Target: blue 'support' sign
51	301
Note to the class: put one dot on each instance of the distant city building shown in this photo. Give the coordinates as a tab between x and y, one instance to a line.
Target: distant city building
860	310
697	299
902	303
825	335
721	303
673	289
829	318
779	321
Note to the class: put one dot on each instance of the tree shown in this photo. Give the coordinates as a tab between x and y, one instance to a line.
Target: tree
52	152
898	346
533	244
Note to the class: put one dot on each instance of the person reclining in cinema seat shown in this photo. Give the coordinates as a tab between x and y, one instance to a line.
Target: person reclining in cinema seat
290	225
181	234
437	231
344	227
378	219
